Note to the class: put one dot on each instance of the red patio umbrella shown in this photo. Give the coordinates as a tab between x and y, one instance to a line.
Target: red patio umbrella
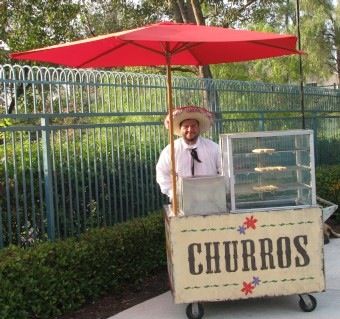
166	43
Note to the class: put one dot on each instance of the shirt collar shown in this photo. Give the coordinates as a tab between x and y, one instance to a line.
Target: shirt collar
187	146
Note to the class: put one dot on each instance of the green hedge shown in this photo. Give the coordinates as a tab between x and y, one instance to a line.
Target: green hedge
50	279
328	185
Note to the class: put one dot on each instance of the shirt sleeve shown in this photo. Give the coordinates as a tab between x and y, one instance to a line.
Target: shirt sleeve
163	176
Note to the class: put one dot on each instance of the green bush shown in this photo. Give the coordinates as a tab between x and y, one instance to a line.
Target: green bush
50	279
326	151
328	185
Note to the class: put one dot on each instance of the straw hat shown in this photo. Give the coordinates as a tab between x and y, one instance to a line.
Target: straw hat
200	114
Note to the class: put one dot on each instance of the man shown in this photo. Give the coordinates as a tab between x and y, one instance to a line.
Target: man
194	155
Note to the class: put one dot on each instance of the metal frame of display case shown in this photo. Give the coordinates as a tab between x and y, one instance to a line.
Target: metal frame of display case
230	173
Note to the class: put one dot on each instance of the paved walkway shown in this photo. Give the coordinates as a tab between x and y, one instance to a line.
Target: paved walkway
162	307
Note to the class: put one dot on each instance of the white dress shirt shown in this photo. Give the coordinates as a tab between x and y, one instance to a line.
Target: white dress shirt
208	152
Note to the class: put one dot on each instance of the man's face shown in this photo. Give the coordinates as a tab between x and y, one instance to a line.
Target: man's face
190	131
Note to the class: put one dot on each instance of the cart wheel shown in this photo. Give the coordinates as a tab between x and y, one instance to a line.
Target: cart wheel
307	303
195	310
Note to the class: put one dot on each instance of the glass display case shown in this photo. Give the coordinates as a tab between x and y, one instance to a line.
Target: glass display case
269	170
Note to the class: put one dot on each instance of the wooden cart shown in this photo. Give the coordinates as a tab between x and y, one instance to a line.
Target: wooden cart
246	255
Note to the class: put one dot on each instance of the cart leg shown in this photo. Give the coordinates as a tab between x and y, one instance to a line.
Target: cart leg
307	302
195	310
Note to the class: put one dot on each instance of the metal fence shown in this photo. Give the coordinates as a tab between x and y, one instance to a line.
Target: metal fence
78	147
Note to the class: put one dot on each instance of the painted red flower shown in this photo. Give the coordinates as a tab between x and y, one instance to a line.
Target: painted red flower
247	288
250	222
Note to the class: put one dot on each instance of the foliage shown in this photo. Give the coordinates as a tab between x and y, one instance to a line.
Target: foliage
325	151
106	16
238	13
31	24
52	278
26	25
328	185
318	40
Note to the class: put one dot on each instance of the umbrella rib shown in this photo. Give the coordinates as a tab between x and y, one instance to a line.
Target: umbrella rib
185	46
147	48
172	52
274	46
188	46
103	54
176	50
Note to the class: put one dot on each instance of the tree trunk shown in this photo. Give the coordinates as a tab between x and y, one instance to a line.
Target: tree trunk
191	12
210	93
176	11
197	10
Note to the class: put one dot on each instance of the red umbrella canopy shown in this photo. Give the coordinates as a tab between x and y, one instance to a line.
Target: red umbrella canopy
184	44
167	44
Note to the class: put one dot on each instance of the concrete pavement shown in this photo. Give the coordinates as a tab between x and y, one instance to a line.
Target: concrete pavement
328	302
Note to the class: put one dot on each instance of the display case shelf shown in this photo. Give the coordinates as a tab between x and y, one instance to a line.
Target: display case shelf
249	189
273	152
294	168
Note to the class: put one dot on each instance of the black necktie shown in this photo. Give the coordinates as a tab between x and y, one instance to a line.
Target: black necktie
194	156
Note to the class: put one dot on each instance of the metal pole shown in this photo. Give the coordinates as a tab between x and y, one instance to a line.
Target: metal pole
46	148
302	100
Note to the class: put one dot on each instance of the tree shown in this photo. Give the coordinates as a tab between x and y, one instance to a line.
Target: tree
334	35
337	40
217	12
30	24
107	16
318	36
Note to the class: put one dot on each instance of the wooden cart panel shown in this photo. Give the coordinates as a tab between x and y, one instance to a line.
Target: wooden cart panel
237	256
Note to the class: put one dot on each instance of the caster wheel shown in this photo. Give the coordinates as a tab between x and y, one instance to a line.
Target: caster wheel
195	310
307	303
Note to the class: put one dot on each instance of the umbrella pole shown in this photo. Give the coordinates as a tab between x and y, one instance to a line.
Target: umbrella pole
171	136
